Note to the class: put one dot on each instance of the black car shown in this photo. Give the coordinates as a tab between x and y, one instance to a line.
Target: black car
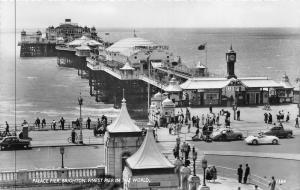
14	143
280	132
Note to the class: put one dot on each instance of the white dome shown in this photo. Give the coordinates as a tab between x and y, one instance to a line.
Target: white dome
168	102
157	96
127	46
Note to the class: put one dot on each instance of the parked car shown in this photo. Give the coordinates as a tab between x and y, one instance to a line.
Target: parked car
280	132
226	134
14	143
262	139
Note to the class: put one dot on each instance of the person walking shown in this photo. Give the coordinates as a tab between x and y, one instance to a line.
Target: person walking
43	122
247	173
6	128
37	122
62	123
214	173
296	122
240	173
88	123
238	114
287	117
266	117
270	119
53	124
272	184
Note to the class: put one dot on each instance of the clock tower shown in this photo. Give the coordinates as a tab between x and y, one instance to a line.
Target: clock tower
230	59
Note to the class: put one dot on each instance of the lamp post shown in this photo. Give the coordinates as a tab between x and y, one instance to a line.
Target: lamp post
62	151
80	100
298	81
204	166
194	159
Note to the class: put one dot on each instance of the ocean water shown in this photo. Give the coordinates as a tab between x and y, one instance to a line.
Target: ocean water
47	91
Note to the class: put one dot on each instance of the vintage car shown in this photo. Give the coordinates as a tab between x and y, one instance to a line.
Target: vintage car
226	134
14	143
280	132
262	139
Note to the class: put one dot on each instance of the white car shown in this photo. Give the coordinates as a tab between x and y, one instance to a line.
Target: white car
261	139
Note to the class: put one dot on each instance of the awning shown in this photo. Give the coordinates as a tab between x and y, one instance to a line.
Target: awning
260	83
205	83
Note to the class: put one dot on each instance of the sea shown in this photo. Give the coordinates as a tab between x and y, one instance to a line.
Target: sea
47	91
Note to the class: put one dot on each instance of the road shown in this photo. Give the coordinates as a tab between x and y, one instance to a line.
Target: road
91	156
290	146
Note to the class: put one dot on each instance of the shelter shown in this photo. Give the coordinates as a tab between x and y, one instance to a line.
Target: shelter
225	92
149	164
123	138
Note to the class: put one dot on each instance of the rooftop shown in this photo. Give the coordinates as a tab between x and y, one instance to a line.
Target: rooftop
123	124
128	46
148	155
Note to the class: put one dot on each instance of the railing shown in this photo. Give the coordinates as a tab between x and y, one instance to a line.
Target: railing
125	75
26	177
253	179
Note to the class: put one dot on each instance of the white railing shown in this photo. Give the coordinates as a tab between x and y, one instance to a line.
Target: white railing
28	176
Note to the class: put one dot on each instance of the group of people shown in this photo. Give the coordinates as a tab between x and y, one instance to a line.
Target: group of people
240	173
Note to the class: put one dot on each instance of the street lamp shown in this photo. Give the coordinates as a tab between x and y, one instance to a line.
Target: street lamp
62	151
194	159
80	100
204	166
298	81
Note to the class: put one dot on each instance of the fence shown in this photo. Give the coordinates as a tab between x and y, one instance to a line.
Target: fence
29	177
253	179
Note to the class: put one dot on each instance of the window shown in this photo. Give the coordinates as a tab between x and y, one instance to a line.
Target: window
211	96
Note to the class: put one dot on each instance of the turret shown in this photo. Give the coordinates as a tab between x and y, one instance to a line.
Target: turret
230	59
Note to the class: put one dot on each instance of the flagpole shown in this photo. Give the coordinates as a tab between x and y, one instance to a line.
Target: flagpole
205	55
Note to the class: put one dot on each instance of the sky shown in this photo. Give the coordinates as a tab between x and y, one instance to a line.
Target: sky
152	13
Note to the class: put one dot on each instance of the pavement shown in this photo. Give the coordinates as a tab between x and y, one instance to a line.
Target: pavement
60	138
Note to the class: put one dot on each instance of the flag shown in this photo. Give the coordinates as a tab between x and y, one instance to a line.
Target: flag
202	46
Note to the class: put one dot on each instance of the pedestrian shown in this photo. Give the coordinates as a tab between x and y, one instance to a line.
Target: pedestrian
43	122
266	117
202	119
37	122
218	119
240	173
53	124
287	117
188	150
296	122
214	173
62	123
272	184
247	173
270	119
6	128
238	114
88	122
156	124
73	134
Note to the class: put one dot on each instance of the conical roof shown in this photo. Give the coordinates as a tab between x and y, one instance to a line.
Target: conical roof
173	86
123	124
148	155
200	66
127	66
285	81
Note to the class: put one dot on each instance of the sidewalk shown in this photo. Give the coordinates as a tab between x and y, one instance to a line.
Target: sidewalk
223	183
60	138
